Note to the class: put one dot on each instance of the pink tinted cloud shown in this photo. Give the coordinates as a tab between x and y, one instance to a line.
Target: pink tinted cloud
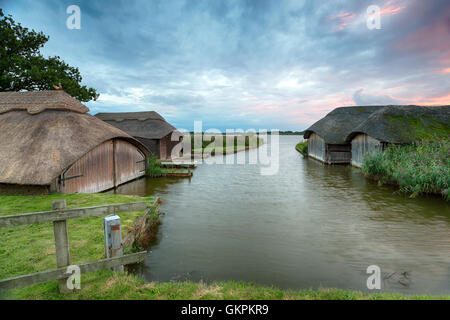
431	40
316	109
432	101
445	70
301	111
343	20
431	43
392	7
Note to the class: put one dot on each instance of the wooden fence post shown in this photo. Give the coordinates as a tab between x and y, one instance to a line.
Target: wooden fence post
61	243
59	216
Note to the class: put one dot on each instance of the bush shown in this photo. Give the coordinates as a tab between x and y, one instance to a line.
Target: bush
303	147
422	167
375	165
153	166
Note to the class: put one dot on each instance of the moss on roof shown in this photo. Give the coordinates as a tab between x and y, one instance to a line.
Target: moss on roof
340	122
393	124
405	124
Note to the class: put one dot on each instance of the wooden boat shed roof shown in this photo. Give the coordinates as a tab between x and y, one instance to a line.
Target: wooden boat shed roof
339	123
405	124
149	124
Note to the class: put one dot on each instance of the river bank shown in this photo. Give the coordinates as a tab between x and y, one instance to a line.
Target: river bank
209	148
302	147
28	249
211	151
107	285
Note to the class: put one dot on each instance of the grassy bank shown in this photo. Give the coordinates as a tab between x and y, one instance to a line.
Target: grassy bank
153	167
239	143
155	170
27	249
302	147
30	248
419	168
122	286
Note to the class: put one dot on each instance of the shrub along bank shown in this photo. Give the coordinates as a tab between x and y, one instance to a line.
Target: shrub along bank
419	168
302	147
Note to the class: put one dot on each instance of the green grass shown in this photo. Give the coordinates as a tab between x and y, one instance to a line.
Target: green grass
123	286
153	167
211	147
238	144
419	168
30	248
27	249
302	147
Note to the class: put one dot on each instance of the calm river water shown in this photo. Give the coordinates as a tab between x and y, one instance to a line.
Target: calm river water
308	226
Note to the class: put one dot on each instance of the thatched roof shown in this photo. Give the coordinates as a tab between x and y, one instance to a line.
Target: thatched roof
339	123
405	124
37	101
148	124
35	148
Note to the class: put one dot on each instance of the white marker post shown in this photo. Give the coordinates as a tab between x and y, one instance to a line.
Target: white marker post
113	238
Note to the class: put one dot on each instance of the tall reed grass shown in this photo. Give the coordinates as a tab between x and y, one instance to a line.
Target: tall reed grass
419	168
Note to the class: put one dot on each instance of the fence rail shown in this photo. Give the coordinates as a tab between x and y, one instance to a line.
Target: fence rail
59	216
64	214
61	273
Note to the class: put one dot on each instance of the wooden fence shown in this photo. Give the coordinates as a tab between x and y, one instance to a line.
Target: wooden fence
59	216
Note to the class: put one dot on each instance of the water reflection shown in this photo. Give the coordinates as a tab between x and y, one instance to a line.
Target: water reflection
144	187
308	226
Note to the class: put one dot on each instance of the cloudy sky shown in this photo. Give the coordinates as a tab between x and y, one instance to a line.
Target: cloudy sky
274	64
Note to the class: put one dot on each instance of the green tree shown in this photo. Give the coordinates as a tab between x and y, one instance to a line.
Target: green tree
22	66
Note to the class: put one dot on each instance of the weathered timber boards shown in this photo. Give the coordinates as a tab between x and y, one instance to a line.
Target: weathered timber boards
60	273
49	216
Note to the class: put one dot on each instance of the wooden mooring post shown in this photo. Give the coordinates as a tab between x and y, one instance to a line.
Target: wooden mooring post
61	232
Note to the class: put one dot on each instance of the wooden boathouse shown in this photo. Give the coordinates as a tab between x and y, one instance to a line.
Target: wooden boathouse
327	137
49	143
150	128
396	125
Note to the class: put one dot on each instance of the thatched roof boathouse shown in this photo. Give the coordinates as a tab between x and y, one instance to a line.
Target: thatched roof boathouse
48	143
327	137
347	134
150	128
397	125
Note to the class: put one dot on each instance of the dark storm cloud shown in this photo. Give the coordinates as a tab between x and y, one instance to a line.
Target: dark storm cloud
258	63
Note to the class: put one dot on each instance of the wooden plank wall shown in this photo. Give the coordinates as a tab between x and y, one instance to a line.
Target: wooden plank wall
108	165
316	147
339	153
130	162
362	144
97	169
